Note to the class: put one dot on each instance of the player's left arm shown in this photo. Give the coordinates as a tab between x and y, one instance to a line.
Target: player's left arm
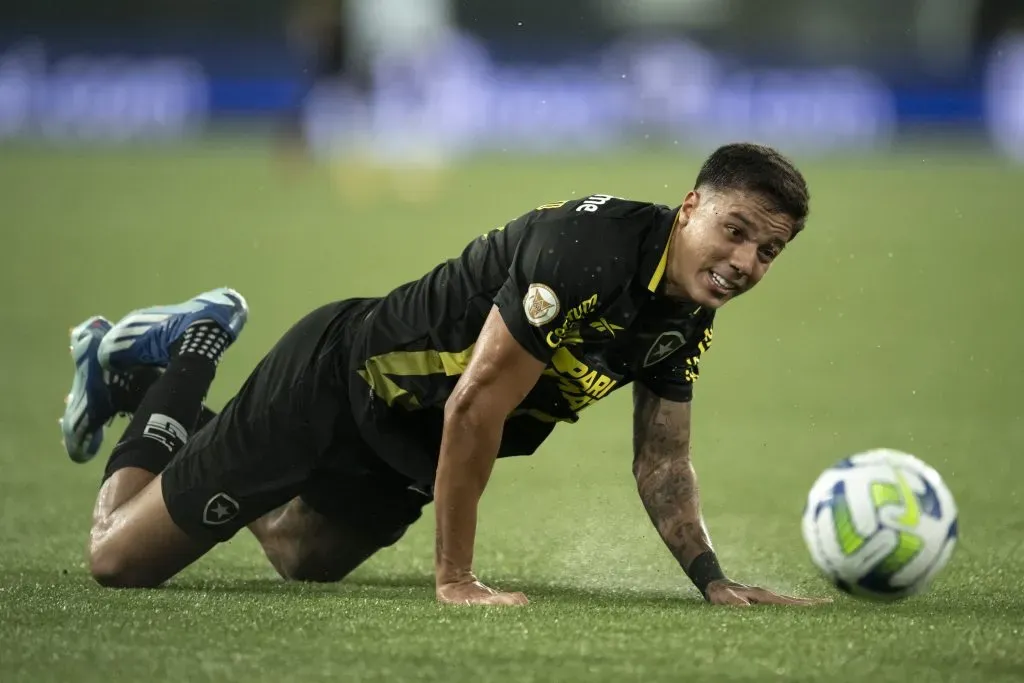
667	483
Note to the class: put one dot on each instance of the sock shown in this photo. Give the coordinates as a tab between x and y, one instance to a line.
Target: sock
171	408
127	389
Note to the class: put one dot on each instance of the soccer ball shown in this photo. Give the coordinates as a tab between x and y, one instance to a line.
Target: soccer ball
880	524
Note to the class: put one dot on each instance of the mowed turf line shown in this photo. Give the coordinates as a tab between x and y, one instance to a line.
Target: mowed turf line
895	320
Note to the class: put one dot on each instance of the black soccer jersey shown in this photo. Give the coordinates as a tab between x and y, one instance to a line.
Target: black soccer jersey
578	285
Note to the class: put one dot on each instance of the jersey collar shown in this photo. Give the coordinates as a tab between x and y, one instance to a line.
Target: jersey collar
655	249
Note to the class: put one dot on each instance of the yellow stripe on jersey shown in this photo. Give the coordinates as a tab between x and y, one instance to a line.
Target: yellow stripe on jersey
659	272
378	369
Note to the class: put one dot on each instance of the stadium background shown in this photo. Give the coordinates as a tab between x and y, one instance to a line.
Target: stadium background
153	150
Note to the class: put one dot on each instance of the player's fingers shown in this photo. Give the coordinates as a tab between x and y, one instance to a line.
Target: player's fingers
505	599
513	599
807	601
814	601
733	599
518	598
765	597
769	598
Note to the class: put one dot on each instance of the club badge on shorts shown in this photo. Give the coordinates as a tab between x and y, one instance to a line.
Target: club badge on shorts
540	304
220	509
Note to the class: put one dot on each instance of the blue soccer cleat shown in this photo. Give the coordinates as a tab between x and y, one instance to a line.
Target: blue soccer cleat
88	406
145	336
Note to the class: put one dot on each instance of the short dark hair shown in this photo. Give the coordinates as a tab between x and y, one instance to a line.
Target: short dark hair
762	170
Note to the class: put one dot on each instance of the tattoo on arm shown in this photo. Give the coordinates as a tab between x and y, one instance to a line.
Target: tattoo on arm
665	477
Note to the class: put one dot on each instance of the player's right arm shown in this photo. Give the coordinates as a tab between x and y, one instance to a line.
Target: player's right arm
497	378
553	271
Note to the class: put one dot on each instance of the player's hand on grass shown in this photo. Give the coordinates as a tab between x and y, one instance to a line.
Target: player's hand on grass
472	592
725	592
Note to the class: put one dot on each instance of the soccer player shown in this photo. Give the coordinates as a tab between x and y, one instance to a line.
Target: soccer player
368	409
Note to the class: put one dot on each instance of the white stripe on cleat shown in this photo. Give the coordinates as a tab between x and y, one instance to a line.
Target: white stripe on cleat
121	345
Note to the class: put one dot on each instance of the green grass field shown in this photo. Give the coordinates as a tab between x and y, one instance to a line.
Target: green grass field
896	319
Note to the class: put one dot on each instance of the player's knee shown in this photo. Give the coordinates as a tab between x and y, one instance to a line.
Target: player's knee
111	567
300	562
317	557
112	571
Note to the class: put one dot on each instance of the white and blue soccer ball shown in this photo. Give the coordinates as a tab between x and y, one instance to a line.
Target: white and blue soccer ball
880	524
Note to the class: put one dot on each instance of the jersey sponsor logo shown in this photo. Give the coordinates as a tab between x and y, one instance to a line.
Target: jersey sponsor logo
705	343
565	336
664	346
691	368
568	331
540	304
577	382
594	202
602	325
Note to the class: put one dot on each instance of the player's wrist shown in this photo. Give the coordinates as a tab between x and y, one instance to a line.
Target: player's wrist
704	571
445	575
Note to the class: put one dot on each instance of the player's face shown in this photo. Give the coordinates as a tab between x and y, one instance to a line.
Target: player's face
723	245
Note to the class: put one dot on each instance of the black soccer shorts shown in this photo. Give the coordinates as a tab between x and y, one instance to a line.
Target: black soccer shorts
290	431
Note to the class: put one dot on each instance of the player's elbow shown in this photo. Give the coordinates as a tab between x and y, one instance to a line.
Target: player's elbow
462	405
649	470
469	406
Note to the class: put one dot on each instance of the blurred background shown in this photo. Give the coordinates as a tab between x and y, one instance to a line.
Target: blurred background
427	81
313	150
310	150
